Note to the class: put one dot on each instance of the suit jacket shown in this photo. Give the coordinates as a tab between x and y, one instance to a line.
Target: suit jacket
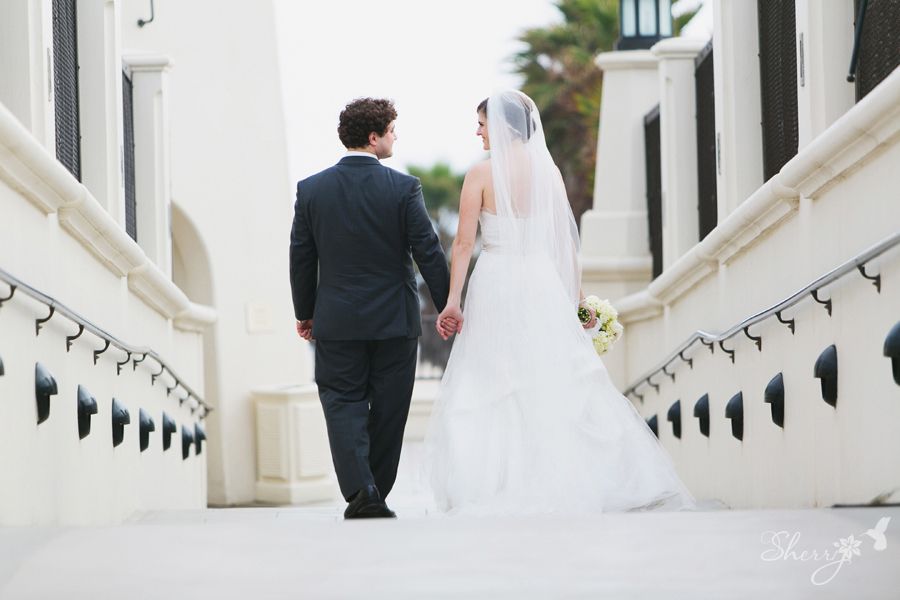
357	228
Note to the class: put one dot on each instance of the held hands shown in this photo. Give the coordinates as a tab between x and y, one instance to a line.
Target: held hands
304	329
450	321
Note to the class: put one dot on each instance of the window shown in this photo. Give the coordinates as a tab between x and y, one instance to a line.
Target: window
653	164
65	85
706	141
778	82
128	112
879	44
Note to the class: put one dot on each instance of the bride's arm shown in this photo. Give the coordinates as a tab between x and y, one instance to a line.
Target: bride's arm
470	201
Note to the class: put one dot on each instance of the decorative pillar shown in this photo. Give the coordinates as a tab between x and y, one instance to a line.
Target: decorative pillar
739	152
100	102
678	145
152	162
293	459
824	45
614	233
26	71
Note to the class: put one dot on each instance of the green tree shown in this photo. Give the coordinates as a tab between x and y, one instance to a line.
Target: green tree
560	75
440	186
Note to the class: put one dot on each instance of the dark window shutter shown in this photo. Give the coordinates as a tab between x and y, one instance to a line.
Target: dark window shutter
879	44
706	141
778	82
65	85
130	203
653	165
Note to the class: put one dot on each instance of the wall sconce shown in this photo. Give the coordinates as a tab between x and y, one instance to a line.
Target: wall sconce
734	410
87	406
187	438
891	350
168	429
199	436
674	415
654	425
826	369
774	396
701	411
147	426
44	387
120	418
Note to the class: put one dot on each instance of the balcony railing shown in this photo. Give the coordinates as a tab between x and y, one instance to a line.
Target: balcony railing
710	340
134	354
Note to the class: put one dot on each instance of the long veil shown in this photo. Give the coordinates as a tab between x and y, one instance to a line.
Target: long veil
528	188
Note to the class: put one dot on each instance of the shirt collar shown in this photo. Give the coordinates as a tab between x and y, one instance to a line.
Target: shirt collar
363	154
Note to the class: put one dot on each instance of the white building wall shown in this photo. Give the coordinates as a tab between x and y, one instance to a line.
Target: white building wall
834	200
67	240
47	474
25	65
615	253
230	179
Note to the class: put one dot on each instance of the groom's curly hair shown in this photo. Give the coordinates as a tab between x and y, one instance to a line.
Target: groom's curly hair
363	116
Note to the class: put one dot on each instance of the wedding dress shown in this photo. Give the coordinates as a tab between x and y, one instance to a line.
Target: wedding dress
526	419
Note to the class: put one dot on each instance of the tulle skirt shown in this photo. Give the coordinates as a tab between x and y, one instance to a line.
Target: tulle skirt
527	419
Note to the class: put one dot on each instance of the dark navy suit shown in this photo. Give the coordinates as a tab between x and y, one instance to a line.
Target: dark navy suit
358	226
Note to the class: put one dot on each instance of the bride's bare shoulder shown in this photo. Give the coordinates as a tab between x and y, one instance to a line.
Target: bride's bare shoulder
480	170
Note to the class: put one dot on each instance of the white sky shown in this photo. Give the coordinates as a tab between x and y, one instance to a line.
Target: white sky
436	60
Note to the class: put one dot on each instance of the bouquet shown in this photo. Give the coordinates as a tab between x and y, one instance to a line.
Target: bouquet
601	321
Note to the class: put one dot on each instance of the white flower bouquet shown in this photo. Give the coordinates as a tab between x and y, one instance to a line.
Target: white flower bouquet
601	320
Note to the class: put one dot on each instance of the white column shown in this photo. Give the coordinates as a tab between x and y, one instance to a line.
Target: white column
614	233
293	459
100	104
26	68
678	145
152	159
738	105
824	44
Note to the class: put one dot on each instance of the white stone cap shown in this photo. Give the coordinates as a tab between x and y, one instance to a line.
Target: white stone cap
678	47
196	317
285	391
147	62
621	60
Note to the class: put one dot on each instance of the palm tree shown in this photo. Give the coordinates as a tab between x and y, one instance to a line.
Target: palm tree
560	75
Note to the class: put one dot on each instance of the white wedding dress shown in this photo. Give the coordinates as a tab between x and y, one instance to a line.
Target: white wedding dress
527	419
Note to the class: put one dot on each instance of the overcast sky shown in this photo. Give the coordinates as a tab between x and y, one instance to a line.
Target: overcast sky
436	60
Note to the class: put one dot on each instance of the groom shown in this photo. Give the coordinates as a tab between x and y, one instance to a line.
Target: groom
357	228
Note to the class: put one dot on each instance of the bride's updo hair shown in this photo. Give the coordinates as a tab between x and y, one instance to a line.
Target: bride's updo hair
517	112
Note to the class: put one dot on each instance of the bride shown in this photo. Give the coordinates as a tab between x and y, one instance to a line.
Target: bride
527	419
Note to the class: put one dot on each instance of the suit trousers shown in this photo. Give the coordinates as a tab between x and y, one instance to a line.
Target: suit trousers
365	388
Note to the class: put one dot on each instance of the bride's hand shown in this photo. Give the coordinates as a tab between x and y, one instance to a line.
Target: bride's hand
450	321
592	321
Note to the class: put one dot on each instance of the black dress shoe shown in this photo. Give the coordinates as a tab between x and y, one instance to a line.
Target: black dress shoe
367	504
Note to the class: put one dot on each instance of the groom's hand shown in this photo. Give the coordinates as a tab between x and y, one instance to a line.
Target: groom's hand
446	328
304	328
450	321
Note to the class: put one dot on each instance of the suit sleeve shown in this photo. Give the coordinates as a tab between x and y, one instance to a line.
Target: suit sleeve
426	247
304	261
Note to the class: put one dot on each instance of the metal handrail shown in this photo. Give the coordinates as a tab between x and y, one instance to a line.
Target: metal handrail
709	339
84	324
